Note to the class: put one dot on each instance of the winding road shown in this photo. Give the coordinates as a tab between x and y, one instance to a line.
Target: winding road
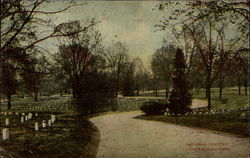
124	136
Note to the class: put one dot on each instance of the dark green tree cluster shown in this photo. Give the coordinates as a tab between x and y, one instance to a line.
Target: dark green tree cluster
180	99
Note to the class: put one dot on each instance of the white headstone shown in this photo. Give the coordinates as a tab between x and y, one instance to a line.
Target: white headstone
36	114
23	114
22	119
7	121
30	116
53	118
36	126
49	123
26	118
17	113
44	124
10	113
6	134
5	113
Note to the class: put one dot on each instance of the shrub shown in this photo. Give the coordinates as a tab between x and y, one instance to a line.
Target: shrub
153	107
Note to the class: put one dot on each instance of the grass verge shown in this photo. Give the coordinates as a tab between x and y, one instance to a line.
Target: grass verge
231	122
70	137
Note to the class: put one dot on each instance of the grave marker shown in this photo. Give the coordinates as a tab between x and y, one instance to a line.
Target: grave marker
36	126
6	134
53	118
44	124
30	116
22	119
7	121
49	123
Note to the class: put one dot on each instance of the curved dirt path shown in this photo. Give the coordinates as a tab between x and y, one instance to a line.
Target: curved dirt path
123	136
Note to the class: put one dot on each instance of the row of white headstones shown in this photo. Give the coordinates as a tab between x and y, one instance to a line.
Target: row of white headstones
24	117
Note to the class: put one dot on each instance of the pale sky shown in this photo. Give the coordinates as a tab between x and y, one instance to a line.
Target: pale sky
131	22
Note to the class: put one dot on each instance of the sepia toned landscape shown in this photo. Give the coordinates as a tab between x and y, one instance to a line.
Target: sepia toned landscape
124	79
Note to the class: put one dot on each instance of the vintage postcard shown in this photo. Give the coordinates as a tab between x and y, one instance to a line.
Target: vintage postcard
124	79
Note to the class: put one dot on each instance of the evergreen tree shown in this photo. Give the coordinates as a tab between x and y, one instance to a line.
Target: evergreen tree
180	99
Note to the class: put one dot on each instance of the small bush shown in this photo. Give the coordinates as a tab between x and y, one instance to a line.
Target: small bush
154	108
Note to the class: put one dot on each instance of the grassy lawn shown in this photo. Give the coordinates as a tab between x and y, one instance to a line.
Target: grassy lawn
70	136
230	99
232	113
49	104
132	103
231	122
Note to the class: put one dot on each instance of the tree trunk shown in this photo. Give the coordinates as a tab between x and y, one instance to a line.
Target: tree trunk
220	97
245	84
221	87
167	92
138	92
9	101
156	92
209	97
74	90
239	88
208	92
36	96
117	81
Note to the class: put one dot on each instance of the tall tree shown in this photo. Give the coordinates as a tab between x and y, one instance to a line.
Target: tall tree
239	68
139	71
9	83
17	60
20	21
162	65
180	99
128	80
81	59
205	22
32	78
117	59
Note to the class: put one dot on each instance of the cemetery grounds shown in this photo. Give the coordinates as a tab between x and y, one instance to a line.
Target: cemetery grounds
69	136
230	115
73	136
